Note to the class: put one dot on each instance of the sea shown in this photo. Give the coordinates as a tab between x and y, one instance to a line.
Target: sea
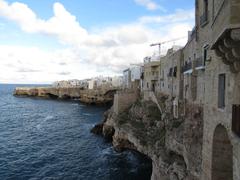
51	140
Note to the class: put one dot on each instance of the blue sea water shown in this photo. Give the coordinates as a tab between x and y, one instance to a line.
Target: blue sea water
47	139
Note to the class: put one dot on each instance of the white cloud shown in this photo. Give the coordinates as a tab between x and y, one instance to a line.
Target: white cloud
179	16
110	49
149	4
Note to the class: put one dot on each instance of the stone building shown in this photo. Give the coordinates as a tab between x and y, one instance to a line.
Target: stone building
117	81
151	74
92	84
218	28
211	80
135	76
126	78
208	82
170	72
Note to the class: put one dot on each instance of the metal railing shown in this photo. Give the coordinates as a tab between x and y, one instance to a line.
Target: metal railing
187	67
199	62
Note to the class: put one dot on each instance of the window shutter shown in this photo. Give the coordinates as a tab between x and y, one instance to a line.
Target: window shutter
236	119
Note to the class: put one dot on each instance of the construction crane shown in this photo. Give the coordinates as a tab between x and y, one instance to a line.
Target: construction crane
160	44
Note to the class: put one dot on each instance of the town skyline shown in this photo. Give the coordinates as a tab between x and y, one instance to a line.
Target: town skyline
42	42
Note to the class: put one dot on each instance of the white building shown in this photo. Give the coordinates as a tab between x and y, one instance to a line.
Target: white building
135	72
92	84
117	81
126	78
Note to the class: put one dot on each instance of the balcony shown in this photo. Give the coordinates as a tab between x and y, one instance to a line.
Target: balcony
226	33
154	77
199	63
187	68
204	19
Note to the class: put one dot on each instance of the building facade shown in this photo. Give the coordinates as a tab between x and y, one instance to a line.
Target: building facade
205	75
151	74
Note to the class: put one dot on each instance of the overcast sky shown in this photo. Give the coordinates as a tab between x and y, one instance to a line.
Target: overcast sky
42	41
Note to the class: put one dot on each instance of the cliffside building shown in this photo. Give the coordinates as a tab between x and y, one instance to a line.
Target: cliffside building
151	74
205	77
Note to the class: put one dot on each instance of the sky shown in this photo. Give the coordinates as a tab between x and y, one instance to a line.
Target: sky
45	41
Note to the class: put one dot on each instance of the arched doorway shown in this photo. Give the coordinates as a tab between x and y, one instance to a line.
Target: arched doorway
222	157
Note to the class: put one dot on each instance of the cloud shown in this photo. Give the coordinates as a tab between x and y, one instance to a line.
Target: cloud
149	4
179	16
27	70
87	53
62	64
64	73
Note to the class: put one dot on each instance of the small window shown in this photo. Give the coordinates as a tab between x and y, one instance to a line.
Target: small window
175	71
221	90
205	54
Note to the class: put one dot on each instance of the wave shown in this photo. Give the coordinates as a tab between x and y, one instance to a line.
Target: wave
48	118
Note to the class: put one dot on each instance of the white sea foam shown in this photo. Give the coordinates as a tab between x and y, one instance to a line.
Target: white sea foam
48	118
87	114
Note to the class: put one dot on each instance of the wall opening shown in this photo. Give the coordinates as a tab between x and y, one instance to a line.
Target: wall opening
222	157
221	90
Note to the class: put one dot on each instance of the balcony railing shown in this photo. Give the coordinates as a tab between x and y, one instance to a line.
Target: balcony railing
204	19
199	62
186	67
154	77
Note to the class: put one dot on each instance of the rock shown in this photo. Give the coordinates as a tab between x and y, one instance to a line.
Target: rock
97	97
108	132
173	145
97	129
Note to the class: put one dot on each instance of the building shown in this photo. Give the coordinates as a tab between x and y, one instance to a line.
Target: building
127	78
117	81
170	72
218	36
136	70
205	76
92	84
69	83
151	74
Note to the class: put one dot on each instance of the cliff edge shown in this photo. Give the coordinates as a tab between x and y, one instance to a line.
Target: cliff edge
173	144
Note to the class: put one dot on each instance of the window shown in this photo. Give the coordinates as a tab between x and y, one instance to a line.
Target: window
205	6
221	90
236	119
175	71
205	54
204	17
170	72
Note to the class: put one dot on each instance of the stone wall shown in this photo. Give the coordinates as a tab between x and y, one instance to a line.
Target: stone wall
221	148
124	99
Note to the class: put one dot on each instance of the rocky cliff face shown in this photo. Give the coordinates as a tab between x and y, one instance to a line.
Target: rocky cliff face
174	145
100	96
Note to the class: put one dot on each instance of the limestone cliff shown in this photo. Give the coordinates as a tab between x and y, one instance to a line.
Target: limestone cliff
98	96
174	145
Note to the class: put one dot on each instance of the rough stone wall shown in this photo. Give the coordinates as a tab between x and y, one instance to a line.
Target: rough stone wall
213	116
218	21
170	84
123	100
151	75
